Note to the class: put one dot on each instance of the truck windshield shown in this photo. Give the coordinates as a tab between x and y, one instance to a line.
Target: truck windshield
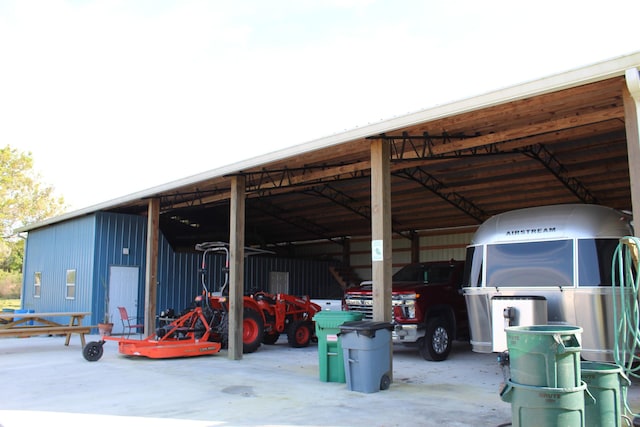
424	273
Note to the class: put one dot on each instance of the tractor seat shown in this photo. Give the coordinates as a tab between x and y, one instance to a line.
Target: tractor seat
263	297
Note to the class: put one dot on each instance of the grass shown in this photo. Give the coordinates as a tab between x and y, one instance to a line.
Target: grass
12	303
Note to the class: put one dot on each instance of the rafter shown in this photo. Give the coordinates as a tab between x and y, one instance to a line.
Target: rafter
409	147
294	220
429	182
540	153
342	199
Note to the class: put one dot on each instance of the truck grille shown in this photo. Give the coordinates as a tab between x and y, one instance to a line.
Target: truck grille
362	304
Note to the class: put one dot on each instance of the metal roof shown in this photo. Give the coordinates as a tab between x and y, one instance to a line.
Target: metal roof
560	139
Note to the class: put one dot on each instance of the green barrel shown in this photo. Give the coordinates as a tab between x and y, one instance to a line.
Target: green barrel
544	355
605	382
330	355
533	406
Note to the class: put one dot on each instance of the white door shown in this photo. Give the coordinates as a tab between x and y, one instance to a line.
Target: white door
123	292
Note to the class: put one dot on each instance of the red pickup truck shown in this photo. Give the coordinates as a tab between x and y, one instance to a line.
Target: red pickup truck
429	309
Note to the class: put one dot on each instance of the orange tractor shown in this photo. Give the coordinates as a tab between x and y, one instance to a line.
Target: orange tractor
204	328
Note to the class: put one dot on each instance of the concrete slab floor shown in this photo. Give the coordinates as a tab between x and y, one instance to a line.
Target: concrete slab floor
46	383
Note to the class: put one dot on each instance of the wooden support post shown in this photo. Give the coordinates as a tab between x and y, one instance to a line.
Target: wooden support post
381	249
236	266
151	272
381	252
631	99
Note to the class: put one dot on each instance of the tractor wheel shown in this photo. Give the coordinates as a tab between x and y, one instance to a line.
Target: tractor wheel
252	330
93	351
270	339
299	334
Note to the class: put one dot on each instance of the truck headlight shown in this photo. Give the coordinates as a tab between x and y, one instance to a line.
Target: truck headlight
406	303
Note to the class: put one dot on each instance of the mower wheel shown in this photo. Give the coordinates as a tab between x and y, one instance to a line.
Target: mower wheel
252	330
270	339
93	351
299	334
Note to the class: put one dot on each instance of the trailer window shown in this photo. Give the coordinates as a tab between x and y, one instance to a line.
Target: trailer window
473	267
594	261
530	264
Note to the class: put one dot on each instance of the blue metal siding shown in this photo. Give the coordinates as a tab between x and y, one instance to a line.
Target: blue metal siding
92	244
306	277
180	280
115	232
52	251
177	277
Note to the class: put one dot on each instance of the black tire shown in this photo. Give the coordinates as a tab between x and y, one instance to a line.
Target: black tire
299	334
270	339
436	344
385	382
93	351
252	330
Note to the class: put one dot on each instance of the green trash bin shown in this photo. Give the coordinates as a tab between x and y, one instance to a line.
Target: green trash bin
330	358
534	406
545	355
605	382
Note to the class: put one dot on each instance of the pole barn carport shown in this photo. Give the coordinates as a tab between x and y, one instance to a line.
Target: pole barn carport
568	138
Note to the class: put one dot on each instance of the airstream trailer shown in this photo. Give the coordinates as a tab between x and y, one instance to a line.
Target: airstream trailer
550	263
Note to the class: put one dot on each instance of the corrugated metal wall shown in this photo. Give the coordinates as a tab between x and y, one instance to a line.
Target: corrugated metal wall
52	251
434	245
92	244
115	233
180	280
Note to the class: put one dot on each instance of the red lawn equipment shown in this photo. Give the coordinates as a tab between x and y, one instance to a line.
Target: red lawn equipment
203	329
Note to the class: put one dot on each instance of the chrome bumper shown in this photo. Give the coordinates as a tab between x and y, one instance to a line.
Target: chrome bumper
406	333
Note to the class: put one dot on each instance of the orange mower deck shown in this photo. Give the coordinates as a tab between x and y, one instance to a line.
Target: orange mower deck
187	336
166	349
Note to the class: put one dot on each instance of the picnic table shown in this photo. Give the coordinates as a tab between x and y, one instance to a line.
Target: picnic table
31	324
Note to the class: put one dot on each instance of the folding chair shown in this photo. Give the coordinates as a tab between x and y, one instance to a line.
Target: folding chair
127	326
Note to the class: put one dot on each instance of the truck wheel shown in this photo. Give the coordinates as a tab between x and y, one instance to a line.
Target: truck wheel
299	334
252	330
93	351
436	343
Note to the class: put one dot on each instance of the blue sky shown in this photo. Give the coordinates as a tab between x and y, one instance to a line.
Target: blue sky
113	97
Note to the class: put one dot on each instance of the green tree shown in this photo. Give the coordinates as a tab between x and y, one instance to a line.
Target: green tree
24	199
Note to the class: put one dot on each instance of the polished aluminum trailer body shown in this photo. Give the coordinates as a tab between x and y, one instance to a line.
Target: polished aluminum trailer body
560	252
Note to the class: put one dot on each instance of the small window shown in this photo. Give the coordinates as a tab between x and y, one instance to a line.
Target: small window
37	282
71	284
595	257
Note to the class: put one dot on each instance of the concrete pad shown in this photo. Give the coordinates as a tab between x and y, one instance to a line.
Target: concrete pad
46	383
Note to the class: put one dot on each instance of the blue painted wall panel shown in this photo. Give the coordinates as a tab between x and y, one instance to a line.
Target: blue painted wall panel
92	244
52	251
115	232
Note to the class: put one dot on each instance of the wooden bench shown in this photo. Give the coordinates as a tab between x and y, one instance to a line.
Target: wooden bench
18	325
30	331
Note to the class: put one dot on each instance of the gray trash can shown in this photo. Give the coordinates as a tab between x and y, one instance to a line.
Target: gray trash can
366	348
